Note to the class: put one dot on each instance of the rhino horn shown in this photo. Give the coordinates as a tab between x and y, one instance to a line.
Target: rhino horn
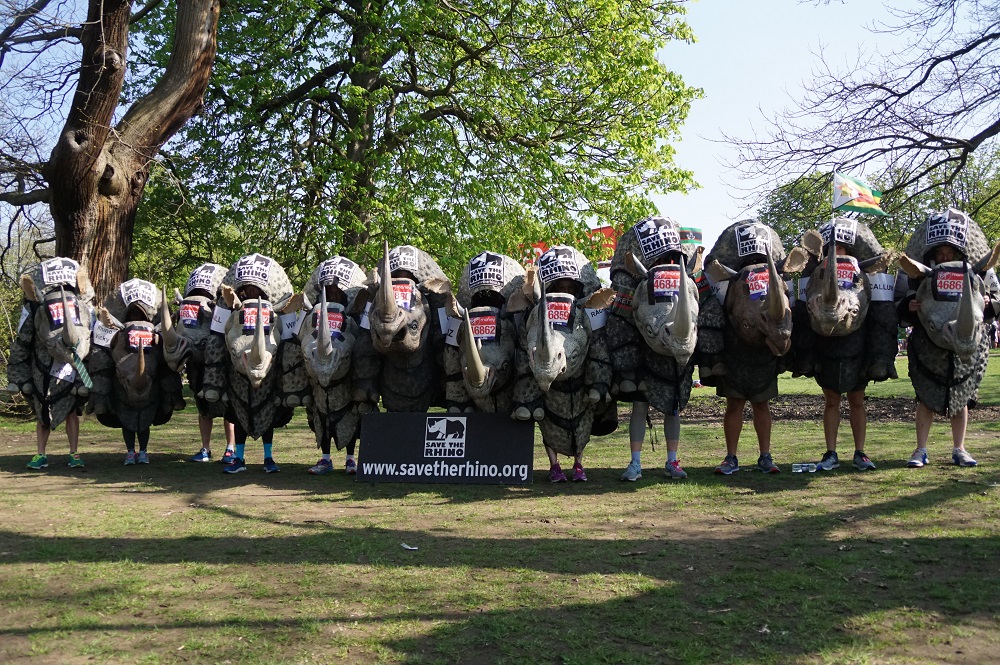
324	345
69	332
475	372
545	332
682	314
257	350
965	327
777	301
830	278
167	324
386	301
634	266
139	382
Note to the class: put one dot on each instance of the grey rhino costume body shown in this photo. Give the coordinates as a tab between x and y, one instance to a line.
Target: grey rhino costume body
652	326
949	346
328	345
757	320
844	320
134	387
488	338
408	292
244	364
567	359
193	325
55	320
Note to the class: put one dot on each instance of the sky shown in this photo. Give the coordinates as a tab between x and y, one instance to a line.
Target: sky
751	56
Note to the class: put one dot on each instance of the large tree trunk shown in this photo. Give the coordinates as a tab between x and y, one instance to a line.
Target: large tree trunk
96	176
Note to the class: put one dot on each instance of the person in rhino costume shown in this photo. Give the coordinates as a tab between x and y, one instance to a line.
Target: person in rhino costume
661	376
329	351
52	339
757	331
194	320
134	387
945	292
844	327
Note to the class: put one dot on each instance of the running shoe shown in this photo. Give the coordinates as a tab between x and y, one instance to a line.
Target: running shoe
829	462
322	466
917	459
674	470
961	457
861	461
236	466
204	455
729	466
270	466
766	464
578	474
351	467
131	458
38	462
556	474
75	461
633	472
228	456
143	457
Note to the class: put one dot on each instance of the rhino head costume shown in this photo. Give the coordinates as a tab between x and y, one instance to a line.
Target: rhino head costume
134	387
185	340
487	338
408	293
568	360
949	344
52	339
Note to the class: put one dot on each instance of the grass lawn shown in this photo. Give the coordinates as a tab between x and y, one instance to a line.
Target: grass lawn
176	563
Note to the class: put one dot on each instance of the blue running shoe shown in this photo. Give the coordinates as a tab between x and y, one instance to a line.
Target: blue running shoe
917	459
143	457
236	466
961	457
203	455
130	458
227	457
270	466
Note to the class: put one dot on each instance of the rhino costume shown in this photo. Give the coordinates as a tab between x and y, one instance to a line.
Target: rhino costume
409	293
328	345
652	326
244	364
488	338
949	345
185	342
757	319
53	337
567	359
844	320
134	387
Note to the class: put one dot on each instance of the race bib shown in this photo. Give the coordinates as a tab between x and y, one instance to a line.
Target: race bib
335	321
103	335
140	338
757	281
402	291
598	317
248	317
57	315
667	283
948	284
484	326
847	272
220	315
622	305
291	323
559	310
188	314
882	286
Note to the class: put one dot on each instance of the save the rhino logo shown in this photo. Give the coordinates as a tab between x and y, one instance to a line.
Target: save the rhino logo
845	232
656	236
486	269
59	271
557	263
444	436
752	239
403	258
202	278
338	271
254	269
951	227
138	290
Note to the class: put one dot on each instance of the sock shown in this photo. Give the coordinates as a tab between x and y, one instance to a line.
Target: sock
955	450
231	447
267	450
922	450
637	457
671	455
240	447
326	456
350	458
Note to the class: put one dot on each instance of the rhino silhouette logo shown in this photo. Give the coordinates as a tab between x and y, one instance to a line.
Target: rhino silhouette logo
752	239
202	278
338	271
253	269
949	227
486	269
656	235
445	437
59	271
403	257
559	262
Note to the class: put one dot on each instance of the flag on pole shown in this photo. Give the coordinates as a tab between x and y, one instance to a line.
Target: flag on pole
855	195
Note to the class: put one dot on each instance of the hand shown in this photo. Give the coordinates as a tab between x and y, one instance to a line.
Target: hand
914	305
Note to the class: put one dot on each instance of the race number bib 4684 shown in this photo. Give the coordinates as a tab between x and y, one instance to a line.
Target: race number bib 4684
667	283
189	314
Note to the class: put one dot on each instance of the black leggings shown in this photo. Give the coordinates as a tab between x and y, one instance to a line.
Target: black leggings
242	435
129	437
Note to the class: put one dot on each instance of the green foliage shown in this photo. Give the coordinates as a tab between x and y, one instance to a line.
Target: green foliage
453	127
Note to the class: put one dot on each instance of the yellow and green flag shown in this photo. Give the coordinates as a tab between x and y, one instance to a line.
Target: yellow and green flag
855	195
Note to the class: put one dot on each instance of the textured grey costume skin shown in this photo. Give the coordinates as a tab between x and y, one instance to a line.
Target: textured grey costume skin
191	356
665	383
410	343
252	389
754	341
130	392
332	411
38	345
570	398
495	392
945	366
844	343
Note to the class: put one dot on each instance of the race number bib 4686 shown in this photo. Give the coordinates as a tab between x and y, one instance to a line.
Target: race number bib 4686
949	284
757	282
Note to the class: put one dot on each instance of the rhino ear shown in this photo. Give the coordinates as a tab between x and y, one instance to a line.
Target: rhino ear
177	296
521	299
438	285
913	269
878	263
989	260
28	286
107	319
603	298
294	304
452	308
812	242
719	272
230	298
795	261
84	289
698	262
